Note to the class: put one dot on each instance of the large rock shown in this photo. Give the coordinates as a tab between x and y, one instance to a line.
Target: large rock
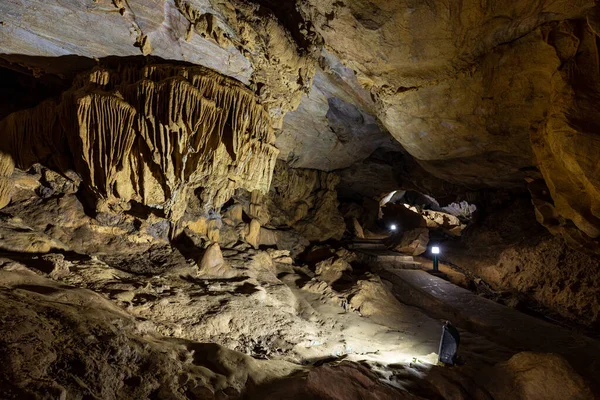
538	376
305	200
332	269
7	167
335	124
212	261
224	36
510	251
483	94
161	153
566	145
414	242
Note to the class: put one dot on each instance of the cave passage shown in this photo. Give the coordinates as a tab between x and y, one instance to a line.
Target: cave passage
294	200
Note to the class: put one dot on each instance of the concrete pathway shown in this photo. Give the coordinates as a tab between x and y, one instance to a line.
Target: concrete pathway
500	324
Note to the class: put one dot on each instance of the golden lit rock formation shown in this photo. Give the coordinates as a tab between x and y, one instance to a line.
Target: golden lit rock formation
483	94
6	169
152	135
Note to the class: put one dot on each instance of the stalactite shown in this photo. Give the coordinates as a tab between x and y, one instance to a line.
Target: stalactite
151	134
6	169
105	136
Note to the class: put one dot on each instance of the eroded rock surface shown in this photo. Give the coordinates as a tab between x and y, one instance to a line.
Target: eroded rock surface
151	135
481	94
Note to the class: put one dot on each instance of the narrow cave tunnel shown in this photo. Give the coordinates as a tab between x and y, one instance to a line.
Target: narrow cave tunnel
325	199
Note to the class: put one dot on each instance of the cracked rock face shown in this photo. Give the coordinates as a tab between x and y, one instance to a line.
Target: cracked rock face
334	126
238	39
150	135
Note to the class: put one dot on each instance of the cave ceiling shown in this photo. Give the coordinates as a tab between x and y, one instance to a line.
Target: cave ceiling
477	94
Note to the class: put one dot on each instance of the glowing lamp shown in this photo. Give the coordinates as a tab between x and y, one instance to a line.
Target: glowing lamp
393	227
435	250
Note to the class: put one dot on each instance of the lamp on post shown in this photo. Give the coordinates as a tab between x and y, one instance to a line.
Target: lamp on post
435	250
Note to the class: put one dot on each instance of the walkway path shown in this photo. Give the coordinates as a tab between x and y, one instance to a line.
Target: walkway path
498	323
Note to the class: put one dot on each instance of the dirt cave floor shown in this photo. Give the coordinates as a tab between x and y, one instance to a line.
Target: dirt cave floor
253	327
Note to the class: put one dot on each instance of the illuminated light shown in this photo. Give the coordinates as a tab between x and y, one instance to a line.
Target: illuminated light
435	250
393	227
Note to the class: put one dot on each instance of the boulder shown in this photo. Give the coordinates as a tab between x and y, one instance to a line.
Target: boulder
212	262
332	269
253	233
7	167
545	376
358	230
414	242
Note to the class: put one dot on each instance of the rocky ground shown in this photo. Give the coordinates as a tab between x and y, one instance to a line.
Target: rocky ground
528	267
116	310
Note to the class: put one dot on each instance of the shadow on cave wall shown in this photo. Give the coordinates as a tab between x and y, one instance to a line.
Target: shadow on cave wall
26	81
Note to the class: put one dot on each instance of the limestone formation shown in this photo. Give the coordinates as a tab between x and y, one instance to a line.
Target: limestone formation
253	233
482	94
6	169
413	242
332	269
440	220
152	135
226	36
305	200
210	199
534	375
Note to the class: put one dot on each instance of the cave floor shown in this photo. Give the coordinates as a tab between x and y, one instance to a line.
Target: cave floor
280	315
500	324
275	314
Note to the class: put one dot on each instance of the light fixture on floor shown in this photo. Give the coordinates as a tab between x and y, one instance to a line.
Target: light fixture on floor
448	344
435	250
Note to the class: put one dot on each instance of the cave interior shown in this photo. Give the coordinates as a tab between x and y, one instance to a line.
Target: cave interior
301	199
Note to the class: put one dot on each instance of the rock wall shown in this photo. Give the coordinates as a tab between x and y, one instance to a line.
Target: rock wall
566	145
152	135
510	251
239	39
483	94
305	200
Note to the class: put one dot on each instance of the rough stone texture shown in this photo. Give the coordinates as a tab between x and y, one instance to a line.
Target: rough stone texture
513	253
440	220
100	301
169	130
7	167
539	376
482	93
225	36
566	145
211	260
305	200
334	125
386	171
414	242
110	354
332	269
112	309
